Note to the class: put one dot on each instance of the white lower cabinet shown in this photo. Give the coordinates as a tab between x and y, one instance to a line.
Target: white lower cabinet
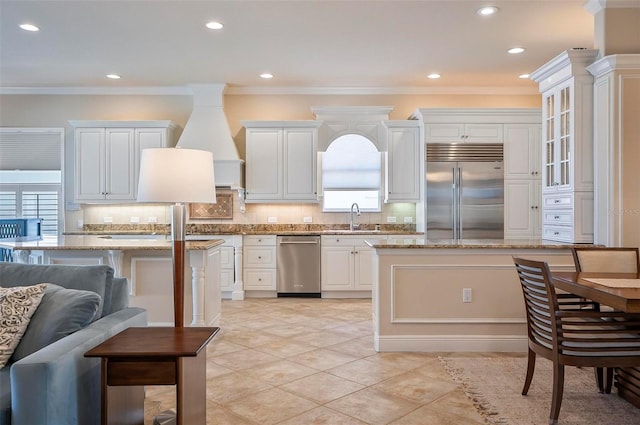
346	264
523	206
259	261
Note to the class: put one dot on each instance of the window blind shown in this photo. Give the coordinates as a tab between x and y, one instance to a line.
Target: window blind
31	148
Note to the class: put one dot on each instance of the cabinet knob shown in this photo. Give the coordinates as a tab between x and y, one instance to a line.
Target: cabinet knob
557	201
556	233
556	217
259	257
259	279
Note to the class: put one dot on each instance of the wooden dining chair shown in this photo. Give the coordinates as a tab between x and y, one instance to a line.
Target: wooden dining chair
606	259
571	336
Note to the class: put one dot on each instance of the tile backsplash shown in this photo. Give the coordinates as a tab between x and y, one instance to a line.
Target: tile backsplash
254	214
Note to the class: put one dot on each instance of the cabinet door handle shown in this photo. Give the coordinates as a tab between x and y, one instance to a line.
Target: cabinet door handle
556	233
556	217
557	201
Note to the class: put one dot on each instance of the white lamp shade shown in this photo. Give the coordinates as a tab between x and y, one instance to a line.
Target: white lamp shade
176	175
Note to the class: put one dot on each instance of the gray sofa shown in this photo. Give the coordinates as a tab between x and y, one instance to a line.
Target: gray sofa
48	381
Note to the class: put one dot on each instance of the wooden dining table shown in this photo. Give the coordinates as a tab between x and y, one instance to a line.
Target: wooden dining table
618	290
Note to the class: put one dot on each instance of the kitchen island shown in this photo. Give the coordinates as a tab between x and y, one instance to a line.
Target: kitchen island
146	263
453	296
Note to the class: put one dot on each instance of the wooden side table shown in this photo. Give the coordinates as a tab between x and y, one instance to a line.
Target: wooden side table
153	356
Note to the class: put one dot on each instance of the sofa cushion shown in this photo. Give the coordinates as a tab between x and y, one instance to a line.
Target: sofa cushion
96	278
17	306
61	312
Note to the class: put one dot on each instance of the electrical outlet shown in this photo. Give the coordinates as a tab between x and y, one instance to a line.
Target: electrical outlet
307	219
408	219
272	219
134	219
107	219
152	219
466	295
391	219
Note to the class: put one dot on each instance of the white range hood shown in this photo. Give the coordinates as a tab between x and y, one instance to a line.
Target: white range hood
207	129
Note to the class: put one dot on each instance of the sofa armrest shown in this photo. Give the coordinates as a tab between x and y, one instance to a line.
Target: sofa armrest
57	384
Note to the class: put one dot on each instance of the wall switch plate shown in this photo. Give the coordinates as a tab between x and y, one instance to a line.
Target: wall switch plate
134	219
466	295
408	219
152	219
391	219
272	219
307	220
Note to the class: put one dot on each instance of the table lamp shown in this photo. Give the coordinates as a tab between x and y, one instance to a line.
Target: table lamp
178	176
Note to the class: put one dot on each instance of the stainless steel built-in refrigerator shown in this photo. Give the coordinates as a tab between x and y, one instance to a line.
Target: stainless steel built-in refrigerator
464	191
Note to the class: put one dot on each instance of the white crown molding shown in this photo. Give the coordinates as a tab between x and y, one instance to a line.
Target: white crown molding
615	63
99	90
276	90
595	6
392	90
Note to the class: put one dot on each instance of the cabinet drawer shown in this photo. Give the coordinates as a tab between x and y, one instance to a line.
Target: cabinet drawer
562	234
260	280
260	257
558	201
348	240
259	240
564	217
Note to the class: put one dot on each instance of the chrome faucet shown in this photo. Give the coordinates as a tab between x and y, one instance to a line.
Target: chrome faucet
353	226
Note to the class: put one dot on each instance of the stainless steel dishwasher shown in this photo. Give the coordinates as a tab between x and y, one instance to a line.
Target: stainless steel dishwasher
298	266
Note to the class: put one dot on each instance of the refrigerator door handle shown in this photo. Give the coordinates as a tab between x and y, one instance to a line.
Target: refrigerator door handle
459	197
454	204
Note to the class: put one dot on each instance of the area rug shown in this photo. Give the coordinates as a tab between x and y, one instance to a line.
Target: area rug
494	384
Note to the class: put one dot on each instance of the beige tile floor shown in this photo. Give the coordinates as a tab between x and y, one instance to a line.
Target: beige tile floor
311	361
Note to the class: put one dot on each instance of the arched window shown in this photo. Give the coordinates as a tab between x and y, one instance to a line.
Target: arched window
351	170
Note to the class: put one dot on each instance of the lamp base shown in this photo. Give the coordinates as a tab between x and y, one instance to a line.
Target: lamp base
178	224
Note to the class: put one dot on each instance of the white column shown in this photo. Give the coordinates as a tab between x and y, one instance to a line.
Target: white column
197	263
115	258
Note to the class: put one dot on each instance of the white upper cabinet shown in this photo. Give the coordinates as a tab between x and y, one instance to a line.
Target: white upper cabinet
567	146
281	161
463	133
404	160
522	151
107	157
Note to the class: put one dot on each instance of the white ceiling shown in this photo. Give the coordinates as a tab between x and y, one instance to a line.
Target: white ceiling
362	44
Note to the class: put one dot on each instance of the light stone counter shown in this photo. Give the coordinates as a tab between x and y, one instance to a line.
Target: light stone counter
101	243
475	244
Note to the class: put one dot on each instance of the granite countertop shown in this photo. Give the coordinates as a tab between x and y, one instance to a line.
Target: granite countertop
535	243
94	242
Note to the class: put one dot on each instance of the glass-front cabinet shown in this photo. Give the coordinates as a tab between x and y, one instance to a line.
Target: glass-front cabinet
558	135
567	146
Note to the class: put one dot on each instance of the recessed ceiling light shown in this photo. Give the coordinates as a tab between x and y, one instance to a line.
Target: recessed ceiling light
113	76
523	76
486	11
433	76
515	50
29	27
266	75
213	25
